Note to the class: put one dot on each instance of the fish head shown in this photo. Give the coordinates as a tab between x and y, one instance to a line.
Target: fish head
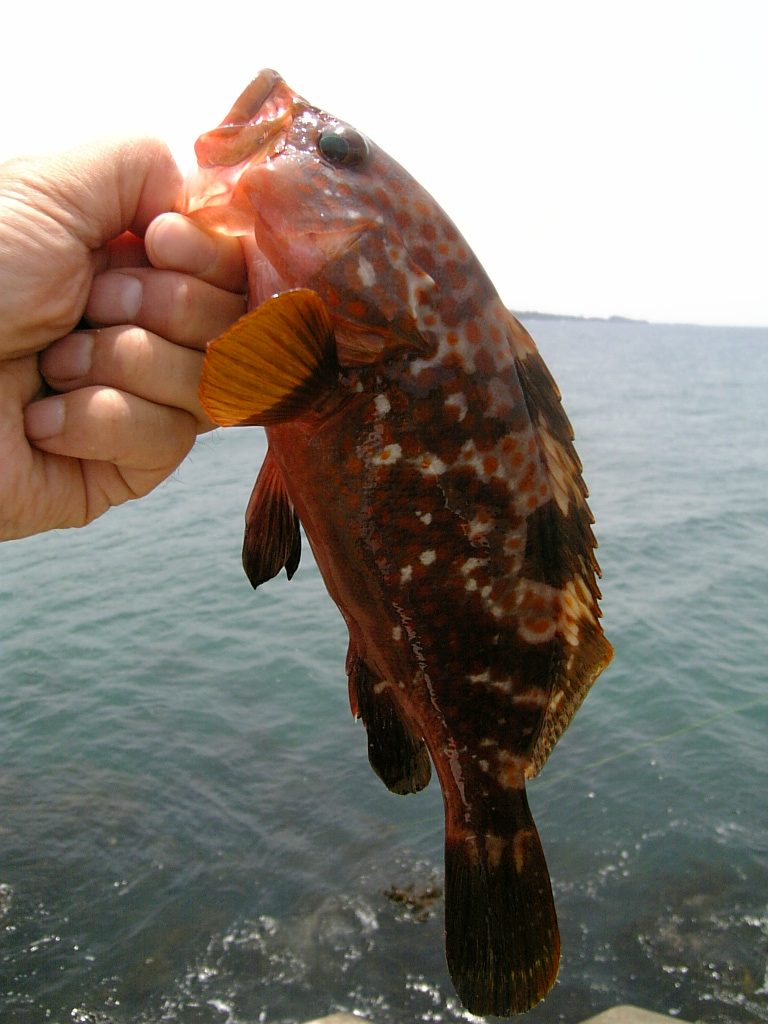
315	200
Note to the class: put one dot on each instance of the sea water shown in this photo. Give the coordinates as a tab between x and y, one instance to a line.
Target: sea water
189	828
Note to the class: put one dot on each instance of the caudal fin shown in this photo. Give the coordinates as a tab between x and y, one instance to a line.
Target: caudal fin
501	934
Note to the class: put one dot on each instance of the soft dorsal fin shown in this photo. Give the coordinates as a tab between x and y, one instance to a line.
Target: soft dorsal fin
273	365
560	548
573	678
272	532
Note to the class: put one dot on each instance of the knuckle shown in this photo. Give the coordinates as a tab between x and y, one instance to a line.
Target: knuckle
131	352
182	308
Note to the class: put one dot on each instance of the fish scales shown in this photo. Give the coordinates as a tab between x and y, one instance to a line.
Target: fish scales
417	435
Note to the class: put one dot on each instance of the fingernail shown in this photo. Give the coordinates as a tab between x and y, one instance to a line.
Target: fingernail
69	358
180	244
115	298
44	419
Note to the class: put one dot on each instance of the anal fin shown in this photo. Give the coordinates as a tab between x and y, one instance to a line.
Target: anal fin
272	531
395	753
501	936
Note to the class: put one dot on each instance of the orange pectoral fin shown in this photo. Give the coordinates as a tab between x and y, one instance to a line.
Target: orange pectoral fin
273	365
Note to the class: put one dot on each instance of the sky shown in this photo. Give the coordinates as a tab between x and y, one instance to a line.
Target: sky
601	158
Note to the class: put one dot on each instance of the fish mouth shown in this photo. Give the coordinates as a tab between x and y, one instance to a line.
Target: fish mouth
253	132
260	115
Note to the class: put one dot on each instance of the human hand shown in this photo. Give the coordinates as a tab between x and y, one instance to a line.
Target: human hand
127	411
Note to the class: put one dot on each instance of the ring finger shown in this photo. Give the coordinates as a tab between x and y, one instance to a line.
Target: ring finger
129	359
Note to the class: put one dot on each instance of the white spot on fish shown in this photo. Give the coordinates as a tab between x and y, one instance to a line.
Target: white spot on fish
427	557
406	574
505	685
430	463
425	517
460	401
382	405
387	456
478	527
481	677
555	702
471	564
366	272
397	632
534	696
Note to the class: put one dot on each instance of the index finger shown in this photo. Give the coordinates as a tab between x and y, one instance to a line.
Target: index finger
173	242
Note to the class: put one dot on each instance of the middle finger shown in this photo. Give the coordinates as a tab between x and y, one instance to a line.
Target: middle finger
175	306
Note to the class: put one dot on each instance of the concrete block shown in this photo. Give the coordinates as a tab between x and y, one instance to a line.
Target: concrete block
631	1015
337	1018
616	1015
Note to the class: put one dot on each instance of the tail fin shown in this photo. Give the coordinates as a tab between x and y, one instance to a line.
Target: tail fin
501	934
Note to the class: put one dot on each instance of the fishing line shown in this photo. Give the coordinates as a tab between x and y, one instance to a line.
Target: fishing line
539	783
650	743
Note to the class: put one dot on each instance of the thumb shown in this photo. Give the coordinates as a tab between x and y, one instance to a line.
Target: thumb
115	186
58	211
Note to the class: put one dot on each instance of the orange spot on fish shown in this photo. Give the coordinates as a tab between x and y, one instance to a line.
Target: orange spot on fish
526	481
473	332
453	361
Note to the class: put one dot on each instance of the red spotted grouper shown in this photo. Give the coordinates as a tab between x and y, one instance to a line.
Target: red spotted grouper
416	434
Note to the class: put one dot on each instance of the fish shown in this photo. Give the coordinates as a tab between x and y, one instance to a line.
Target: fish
417	437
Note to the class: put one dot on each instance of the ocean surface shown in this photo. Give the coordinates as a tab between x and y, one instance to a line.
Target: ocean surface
189	829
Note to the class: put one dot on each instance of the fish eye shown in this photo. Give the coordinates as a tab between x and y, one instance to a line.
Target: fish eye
342	146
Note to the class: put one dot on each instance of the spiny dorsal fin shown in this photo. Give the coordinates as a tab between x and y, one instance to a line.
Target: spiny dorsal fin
273	365
272	533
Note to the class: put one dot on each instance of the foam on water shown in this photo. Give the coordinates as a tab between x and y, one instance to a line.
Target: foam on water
190	830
